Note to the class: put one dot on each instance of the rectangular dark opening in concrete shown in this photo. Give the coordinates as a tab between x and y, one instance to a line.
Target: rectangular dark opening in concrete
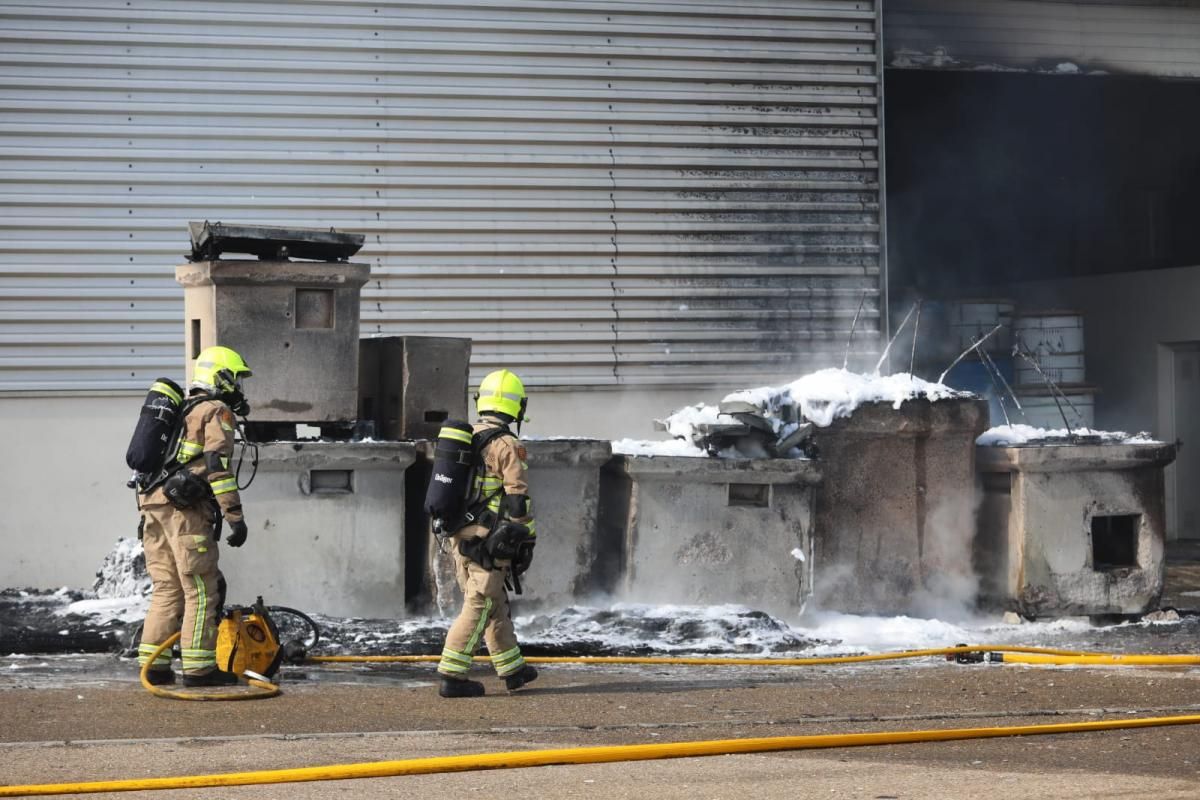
1114	541
314	308
331	481
436	416
757	495
195	339
418	584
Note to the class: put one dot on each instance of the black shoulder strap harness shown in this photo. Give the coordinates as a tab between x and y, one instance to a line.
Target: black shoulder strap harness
477	507
170	463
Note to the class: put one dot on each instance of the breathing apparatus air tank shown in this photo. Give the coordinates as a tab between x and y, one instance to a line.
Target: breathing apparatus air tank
450	485
155	427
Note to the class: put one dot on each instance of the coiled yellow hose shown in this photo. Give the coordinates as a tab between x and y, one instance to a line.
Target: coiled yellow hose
260	689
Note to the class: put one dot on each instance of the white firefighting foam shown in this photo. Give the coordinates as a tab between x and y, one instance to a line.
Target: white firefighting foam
828	394
123	571
849	633
668	447
819	397
122	587
1016	435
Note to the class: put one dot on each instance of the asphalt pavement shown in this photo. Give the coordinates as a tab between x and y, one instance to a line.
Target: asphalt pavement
84	717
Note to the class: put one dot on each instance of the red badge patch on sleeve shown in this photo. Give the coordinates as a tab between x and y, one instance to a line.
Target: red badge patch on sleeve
521	454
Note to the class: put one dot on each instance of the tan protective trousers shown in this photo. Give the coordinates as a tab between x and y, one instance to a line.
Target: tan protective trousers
181	558
485	615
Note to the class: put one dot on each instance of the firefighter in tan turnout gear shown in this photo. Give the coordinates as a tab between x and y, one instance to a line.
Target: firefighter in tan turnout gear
498	545
181	519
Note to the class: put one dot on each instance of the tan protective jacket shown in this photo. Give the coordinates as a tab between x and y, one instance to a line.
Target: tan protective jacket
206	447
504	468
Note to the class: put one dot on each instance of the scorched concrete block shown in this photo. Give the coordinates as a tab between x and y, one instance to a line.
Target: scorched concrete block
326	524
570	561
1073	529
712	530
895	511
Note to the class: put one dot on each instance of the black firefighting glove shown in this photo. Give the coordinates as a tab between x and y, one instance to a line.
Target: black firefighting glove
524	556
141	527
503	542
237	533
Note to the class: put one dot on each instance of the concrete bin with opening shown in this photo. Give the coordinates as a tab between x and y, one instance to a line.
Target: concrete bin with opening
326	523
295	322
1073	529
707	531
570	561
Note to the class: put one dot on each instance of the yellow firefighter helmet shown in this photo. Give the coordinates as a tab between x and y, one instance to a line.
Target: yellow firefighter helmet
219	370
502	391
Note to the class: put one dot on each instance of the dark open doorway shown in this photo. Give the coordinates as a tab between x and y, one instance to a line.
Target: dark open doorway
998	177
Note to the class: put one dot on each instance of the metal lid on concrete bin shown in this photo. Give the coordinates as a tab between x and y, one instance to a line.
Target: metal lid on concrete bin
211	239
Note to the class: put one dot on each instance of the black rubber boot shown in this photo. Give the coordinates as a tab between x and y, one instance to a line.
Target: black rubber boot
526	674
460	688
160	677
215	678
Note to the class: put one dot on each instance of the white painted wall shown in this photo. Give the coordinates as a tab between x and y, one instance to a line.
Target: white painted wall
64	473
63	476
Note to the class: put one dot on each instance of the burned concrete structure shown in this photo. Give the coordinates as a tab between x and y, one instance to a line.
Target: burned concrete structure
409	385
576	558
1073	528
894	511
295	322
327	518
893	527
714	530
327	529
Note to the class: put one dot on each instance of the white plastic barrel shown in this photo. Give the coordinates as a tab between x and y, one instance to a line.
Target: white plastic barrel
1061	368
971	319
1055	339
1040	410
1045	332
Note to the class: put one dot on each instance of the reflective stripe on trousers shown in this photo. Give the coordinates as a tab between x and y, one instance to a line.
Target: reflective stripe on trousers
145	650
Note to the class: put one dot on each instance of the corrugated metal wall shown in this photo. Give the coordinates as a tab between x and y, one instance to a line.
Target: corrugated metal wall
1142	37
596	192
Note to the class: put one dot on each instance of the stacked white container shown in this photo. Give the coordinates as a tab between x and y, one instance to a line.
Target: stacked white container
1054	339
969	320
973	319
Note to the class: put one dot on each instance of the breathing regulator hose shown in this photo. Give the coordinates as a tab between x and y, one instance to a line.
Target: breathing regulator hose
261	689
246	443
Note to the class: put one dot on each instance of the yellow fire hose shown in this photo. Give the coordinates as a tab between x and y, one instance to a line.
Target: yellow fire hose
584	755
999	652
637	752
719	661
1100	659
261	689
